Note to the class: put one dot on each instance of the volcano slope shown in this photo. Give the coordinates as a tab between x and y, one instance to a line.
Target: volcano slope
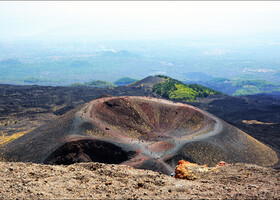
142	132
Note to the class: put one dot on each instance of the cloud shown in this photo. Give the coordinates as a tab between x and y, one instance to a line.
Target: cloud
170	18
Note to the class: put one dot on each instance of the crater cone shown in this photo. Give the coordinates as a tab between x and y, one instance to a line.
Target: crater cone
142	132
149	119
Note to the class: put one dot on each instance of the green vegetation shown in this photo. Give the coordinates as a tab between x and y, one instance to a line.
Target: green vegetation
260	83
11	139
219	80
239	86
253	86
125	81
162	76
177	90
97	83
247	91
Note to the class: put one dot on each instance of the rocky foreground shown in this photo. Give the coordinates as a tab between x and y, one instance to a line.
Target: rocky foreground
105	181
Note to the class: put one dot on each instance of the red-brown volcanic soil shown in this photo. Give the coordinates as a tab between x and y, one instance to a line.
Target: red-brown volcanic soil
142	132
161	146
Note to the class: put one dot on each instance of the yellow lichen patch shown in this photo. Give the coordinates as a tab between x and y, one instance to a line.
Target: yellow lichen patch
57	107
134	133
256	122
8	138
98	133
127	131
156	115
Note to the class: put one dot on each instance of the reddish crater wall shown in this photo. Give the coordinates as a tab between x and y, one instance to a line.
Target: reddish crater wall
149	119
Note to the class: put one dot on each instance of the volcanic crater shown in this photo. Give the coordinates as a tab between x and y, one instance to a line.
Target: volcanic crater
142	132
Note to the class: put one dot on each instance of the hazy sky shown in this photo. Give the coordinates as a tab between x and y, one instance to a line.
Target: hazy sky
139	19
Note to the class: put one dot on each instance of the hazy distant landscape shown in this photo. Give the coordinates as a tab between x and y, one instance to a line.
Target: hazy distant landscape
219	64
220	45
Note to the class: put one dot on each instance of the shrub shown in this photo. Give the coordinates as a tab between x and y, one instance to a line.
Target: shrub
177	90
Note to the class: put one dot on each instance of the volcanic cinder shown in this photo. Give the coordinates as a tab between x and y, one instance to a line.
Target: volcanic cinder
142	132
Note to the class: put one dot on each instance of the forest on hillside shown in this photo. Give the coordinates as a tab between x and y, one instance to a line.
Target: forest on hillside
177	90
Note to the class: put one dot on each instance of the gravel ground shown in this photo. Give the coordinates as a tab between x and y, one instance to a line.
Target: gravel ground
105	181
